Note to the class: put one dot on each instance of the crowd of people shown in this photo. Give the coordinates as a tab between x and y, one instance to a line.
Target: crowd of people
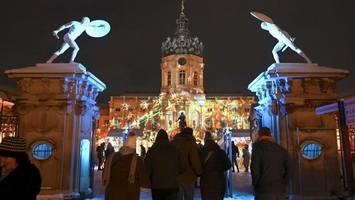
103	153
169	168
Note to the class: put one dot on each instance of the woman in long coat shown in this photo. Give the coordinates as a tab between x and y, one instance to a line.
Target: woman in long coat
214	162
123	176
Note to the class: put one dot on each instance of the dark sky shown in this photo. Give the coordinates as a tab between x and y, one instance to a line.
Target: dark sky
128	59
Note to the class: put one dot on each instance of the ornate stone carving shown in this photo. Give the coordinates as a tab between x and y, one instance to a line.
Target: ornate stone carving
182	43
83	88
327	85
283	85
24	85
95	93
70	87
96	112
80	107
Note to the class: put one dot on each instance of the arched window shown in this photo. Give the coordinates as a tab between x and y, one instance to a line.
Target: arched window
182	76
195	78
168	78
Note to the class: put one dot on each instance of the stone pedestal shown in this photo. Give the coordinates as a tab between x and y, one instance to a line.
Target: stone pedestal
288	94
56	109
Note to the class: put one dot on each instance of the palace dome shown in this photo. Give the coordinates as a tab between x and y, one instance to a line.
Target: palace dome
182	42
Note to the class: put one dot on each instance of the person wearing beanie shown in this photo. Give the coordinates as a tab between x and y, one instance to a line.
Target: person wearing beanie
164	178
22	179
214	163
124	173
269	167
186	143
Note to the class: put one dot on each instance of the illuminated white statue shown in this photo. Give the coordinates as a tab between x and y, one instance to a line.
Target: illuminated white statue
285	40
97	28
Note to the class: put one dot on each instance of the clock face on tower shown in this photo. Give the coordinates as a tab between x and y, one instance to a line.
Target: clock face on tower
182	61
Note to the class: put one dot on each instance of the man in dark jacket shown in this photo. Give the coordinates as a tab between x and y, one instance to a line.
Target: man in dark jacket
23	179
269	168
186	143
163	164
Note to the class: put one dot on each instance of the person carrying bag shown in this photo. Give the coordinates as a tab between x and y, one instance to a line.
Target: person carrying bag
124	173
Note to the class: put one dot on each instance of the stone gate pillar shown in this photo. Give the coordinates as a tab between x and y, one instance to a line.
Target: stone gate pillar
56	109
288	94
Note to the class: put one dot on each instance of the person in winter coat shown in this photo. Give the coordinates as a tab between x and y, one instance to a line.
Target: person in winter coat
269	167
100	154
214	162
22	179
109	150
143	151
186	143
235	155
163	164
246	157
124	173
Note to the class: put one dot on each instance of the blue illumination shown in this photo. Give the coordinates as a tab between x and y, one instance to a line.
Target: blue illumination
84	165
42	151
311	150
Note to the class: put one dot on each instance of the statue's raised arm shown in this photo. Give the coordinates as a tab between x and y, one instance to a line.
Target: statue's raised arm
97	28
284	39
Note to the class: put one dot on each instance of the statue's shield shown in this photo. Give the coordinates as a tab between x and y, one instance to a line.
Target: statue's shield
262	17
98	28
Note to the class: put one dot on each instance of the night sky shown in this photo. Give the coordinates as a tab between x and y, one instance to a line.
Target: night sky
128	59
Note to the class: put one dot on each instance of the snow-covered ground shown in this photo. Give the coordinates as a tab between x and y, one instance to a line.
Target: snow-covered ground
242	189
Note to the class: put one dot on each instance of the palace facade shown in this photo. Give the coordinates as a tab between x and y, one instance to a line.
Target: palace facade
182	91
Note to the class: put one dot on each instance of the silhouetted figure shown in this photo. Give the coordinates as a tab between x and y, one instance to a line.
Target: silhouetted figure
124	173
186	143
143	151
235	155
164	164
100	150
109	150
182	121
214	163
269	167
246	157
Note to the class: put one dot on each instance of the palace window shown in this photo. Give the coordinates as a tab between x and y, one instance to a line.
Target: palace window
169	78
195	78
182	77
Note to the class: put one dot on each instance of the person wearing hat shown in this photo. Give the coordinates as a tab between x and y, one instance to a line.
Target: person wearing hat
22	179
124	173
269	167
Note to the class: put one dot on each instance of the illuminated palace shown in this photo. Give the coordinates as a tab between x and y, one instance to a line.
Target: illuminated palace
182	91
